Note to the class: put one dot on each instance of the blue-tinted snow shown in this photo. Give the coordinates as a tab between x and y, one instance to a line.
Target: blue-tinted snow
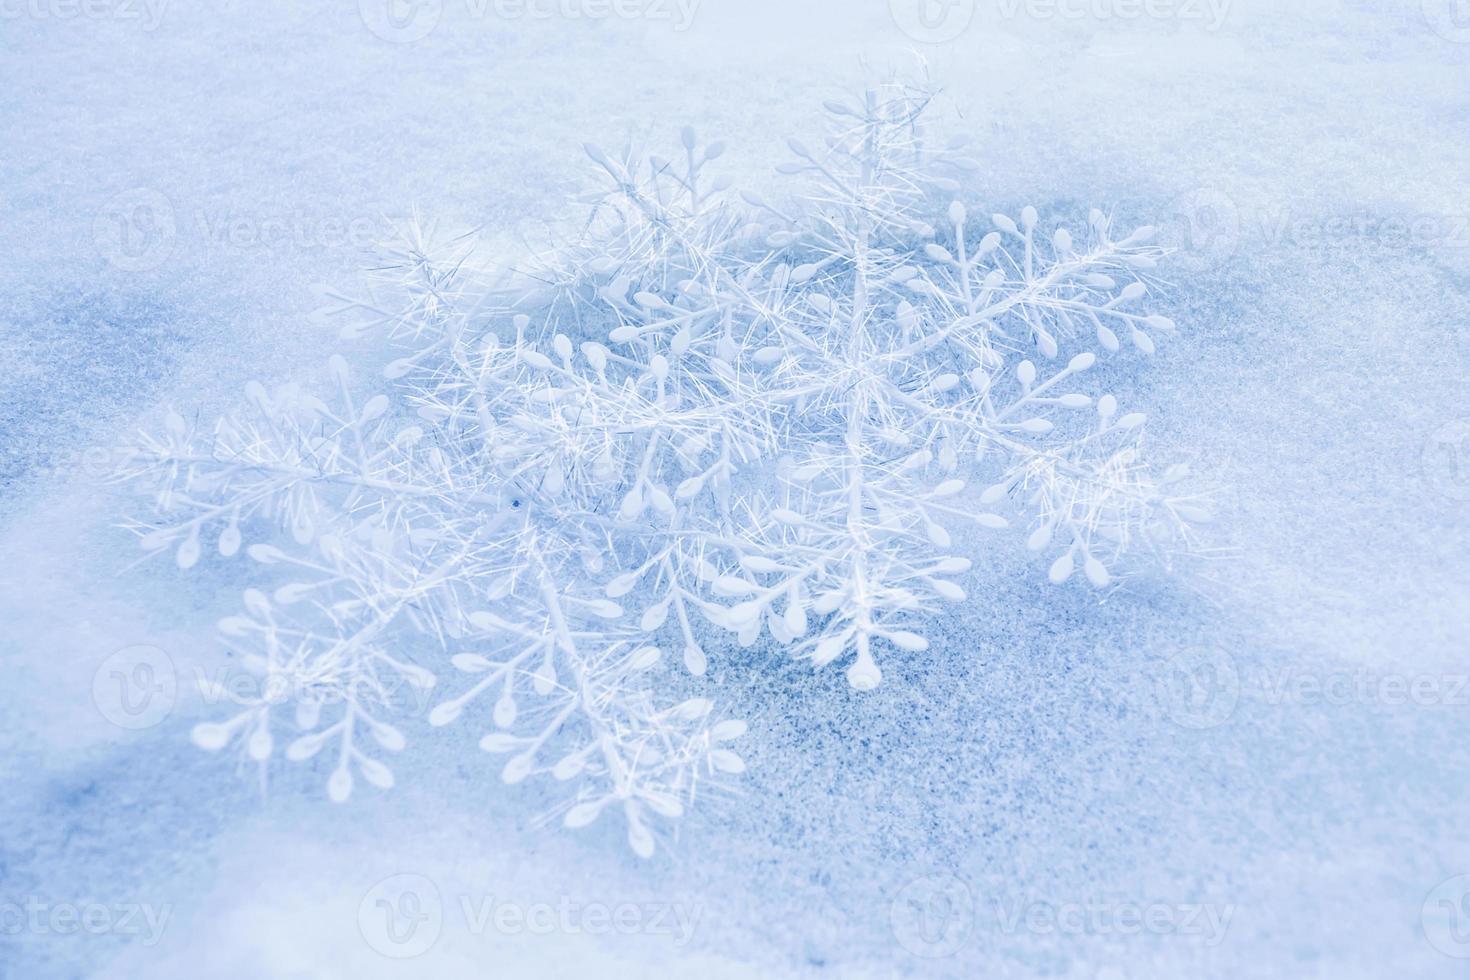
1003	798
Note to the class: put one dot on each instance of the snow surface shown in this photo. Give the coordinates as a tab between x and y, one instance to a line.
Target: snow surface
1033	756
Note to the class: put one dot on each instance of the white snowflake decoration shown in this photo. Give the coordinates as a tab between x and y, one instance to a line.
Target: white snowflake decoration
708	416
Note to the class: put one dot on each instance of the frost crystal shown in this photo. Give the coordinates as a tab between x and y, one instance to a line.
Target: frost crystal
710	415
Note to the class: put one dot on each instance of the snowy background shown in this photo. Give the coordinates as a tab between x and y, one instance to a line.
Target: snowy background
1011	803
